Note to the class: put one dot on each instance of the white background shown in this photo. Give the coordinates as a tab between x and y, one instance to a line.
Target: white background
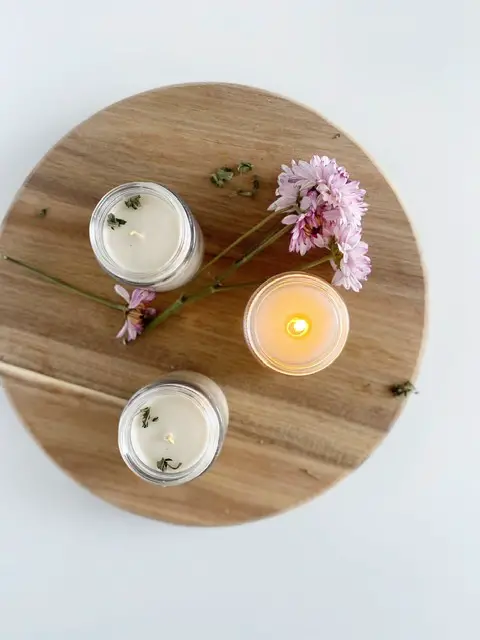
393	552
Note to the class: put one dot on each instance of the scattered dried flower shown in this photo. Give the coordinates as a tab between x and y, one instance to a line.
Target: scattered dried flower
403	389
222	175
145	413
249	193
166	463
244	167
115	223
133	202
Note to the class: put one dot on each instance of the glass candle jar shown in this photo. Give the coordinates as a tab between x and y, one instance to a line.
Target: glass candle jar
171	431
296	323
145	236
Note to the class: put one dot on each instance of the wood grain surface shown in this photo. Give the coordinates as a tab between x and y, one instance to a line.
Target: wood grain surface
289	439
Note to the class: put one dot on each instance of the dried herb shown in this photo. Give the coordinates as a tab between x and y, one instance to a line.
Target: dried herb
337	135
403	389
115	223
308	473
147	417
166	463
214	179
249	193
42	213
145	413
133	202
222	175
225	174
244	167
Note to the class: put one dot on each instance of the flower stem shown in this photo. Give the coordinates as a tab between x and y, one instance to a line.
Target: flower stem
251	254
242	237
65	285
193	297
217	286
311	265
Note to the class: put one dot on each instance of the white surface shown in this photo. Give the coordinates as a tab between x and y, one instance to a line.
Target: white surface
393	551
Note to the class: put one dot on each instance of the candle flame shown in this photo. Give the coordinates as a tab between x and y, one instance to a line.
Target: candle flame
169	438
136	233
298	326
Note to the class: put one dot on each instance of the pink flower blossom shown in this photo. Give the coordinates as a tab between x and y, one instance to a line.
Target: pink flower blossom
137	313
325	208
306	232
339	199
350	261
288	194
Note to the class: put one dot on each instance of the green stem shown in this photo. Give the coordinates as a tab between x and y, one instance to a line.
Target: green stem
243	236
251	254
65	285
311	265
240	285
217	286
188	299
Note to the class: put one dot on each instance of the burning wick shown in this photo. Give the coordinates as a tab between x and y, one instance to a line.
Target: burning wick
136	233
169	438
297	327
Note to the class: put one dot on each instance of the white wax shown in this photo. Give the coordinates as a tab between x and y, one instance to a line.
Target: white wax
179	433
150	237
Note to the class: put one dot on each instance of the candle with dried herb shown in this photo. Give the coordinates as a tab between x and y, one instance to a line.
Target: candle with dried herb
145	236
171	431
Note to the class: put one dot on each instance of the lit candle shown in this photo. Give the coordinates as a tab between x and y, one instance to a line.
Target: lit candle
145	236
296	323
171	431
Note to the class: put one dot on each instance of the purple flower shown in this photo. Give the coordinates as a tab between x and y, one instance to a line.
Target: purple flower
325	208
339	200
306	232
349	258
137	313
287	192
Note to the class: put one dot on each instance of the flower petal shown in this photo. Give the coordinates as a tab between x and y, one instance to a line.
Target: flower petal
132	331
122	331
290	219
122	292
139	296
318	241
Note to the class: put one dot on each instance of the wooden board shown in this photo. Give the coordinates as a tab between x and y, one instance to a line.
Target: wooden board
289	439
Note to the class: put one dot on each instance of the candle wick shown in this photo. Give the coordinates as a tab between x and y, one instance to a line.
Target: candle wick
169	438
136	233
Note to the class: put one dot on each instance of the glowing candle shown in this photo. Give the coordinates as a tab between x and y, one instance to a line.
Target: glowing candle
296	323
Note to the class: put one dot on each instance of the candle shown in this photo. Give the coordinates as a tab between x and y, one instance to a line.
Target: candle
171	431
296	323
143	235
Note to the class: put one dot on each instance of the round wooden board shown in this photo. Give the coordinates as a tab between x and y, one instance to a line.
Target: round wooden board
289	439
